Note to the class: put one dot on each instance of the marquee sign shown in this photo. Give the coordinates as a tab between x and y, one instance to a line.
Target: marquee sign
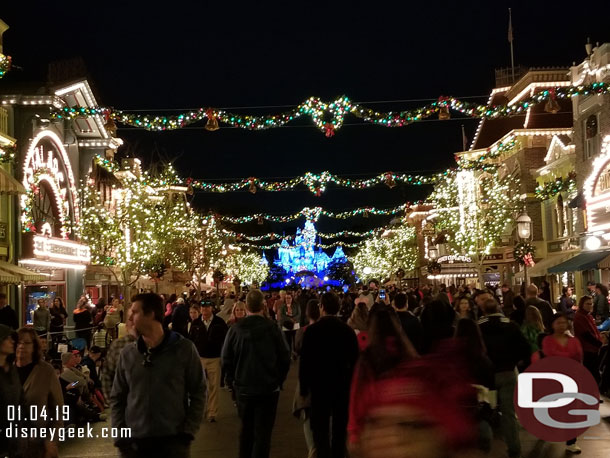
47	170
450	259
596	191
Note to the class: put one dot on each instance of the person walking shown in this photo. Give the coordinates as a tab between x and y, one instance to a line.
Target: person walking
561	343
506	347
59	315
600	303
589	336
328	358
256	360
42	318
111	360
409	322
41	389
289	319
83	320
566	302
8	317
10	387
208	333
164	367
531	298
532	327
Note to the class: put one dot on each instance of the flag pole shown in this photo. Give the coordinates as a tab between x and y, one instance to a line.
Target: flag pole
463	138
510	40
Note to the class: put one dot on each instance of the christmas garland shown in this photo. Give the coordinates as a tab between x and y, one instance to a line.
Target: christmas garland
274	236
5	64
524	252
557	186
316	182
492	153
7	153
314	213
329	117
273	246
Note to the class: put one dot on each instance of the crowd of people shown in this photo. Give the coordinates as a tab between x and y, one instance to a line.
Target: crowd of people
420	372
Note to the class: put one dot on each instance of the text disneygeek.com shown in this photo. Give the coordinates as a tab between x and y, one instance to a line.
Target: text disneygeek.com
63	433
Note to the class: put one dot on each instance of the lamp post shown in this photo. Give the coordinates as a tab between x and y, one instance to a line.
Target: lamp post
524	233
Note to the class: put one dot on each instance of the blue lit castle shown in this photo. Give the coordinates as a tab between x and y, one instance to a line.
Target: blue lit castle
303	257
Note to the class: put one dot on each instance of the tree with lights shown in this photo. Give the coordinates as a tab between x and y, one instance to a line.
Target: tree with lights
248	266
386	253
474	210
120	233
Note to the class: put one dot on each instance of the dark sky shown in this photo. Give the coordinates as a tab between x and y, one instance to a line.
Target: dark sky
245	54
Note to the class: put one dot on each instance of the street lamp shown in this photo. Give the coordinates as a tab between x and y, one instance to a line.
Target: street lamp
524	232
433	252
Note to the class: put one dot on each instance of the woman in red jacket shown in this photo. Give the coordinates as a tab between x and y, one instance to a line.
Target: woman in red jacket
402	405
561	343
588	335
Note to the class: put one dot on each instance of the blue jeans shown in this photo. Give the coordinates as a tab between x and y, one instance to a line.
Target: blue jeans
505	384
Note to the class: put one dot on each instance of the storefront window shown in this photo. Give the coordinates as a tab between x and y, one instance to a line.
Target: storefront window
34	293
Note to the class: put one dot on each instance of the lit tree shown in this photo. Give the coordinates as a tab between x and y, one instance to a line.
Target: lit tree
248	266
119	233
386	253
201	249
474	210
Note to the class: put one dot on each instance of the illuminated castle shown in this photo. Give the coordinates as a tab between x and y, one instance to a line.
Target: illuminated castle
302	256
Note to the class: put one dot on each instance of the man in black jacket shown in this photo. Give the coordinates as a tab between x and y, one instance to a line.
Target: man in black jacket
506	346
256	360
328	357
531	298
410	324
208	333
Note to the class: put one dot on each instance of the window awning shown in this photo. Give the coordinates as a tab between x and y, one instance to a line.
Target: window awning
21	273
9	185
584	261
7	278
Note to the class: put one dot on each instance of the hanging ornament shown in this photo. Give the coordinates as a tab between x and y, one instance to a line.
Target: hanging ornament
389	180
212	123
329	129
443	113
366	214
110	125
189	187
318	191
252	187
272	237
551	105
260	220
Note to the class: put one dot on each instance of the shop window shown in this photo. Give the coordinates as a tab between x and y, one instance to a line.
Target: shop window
560	213
592	144
34	293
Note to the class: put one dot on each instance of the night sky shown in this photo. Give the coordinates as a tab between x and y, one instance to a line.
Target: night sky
231	54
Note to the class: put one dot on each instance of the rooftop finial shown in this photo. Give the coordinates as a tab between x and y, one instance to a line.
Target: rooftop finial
589	47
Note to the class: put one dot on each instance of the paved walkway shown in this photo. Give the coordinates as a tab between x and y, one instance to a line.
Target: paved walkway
219	440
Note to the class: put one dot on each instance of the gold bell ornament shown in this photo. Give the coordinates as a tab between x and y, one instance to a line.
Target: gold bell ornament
443	113
212	123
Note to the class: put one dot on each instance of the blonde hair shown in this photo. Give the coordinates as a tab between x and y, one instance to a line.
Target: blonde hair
238	306
533	318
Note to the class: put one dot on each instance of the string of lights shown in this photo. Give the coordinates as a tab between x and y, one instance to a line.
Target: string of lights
275	236
314	213
329	117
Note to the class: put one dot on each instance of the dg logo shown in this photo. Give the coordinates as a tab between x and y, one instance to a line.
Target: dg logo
557	399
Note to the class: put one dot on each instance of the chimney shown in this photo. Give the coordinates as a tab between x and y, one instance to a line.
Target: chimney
3	28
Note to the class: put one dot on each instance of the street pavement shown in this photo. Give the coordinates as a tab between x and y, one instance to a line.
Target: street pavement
220	440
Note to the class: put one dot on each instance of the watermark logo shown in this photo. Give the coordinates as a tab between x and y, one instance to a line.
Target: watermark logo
557	399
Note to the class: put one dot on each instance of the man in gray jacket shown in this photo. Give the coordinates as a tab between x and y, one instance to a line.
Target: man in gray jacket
159	388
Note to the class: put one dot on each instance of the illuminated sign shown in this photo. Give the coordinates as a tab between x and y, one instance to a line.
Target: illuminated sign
454	258
51	249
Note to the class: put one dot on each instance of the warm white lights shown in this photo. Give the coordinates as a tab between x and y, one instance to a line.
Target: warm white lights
592	242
